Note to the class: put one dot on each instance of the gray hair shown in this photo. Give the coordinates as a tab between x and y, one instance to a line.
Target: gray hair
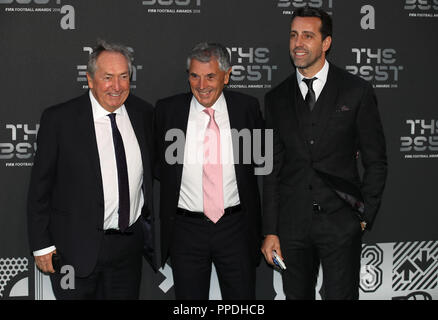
102	46
204	51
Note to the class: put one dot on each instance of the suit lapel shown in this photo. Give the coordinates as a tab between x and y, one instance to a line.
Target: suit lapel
236	122
87	139
182	112
181	118
327	102
233	113
288	99
137	121
292	97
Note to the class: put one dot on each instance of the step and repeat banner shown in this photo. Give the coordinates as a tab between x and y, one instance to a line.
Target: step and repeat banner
44	47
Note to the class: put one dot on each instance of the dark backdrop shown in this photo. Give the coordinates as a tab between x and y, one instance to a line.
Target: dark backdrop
44	45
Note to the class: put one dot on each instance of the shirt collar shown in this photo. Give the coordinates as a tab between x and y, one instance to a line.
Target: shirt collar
100	112
218	106
321	74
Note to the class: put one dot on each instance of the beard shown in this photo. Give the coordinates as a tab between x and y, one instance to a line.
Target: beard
306	63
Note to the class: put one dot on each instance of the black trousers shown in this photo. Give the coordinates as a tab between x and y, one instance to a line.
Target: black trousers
117	274
197	243
334	242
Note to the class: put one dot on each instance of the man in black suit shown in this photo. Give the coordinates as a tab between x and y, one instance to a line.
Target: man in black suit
208	218
316	206
90	195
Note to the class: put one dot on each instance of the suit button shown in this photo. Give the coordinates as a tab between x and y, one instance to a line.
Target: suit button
312	141
310	187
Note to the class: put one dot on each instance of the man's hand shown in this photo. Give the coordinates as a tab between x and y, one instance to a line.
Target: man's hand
271	242
44	262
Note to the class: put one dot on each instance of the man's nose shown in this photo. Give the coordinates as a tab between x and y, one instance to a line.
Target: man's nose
116	83
298	41
202	83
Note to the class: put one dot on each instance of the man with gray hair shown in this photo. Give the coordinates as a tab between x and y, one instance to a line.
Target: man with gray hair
210	203
88	214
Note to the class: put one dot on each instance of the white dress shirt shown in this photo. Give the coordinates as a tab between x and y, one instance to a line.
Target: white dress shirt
108	166
318	84
191	194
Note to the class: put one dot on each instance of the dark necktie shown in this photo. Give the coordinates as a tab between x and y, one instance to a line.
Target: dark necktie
122	175
310	96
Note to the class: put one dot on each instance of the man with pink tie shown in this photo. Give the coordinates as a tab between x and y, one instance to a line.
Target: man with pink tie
210	203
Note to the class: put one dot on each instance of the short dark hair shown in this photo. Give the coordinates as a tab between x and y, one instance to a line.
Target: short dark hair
326	20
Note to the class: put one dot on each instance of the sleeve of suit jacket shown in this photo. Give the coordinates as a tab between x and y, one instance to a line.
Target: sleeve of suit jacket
372	149
271	181
41	183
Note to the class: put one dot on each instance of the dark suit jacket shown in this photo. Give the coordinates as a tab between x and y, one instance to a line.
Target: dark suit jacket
349	122
65	201
173	112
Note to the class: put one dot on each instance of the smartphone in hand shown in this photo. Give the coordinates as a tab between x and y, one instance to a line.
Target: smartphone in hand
278	261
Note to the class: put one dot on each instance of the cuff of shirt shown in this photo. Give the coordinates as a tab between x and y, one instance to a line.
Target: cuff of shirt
44	251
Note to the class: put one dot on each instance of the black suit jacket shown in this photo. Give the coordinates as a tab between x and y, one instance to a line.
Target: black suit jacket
173	112
348	123
65	200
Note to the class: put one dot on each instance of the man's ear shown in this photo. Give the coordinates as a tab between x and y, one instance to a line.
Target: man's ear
227	76
326	43
90	81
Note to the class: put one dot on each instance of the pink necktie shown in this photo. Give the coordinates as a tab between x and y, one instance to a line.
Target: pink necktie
212	171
